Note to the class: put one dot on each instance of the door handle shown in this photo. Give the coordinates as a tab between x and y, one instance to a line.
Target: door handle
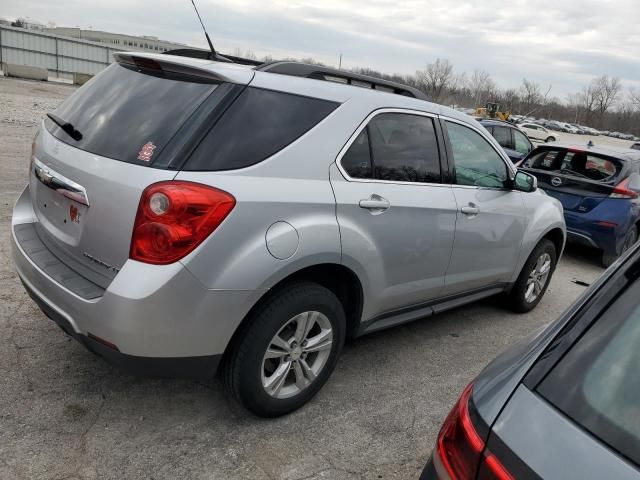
375	204
471	210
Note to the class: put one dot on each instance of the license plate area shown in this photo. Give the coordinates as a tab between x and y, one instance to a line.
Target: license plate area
59	204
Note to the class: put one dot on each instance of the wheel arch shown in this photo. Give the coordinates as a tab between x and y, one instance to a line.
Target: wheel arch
341	280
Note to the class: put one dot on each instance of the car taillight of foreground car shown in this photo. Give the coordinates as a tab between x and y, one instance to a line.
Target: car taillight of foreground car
460	452
174	218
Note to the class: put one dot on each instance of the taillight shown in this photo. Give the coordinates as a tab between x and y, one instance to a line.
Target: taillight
622	190
460	451
174	217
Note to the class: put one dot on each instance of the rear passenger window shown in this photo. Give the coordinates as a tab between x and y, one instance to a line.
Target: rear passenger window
503	137
258	124
357	160
597	383
396	147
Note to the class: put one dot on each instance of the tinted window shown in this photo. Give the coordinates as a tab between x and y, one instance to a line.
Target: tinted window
121	111
257	125
522	143
404	148
357	160
597	383
503	137
476	162
576	163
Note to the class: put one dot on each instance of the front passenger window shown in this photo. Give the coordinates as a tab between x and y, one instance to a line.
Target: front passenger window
476	162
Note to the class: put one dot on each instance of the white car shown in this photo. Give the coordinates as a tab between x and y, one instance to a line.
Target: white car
537	132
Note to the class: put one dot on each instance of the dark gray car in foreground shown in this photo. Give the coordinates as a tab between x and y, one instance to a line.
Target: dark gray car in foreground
564	403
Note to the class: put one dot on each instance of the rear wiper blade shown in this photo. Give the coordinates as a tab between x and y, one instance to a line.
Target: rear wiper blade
66	127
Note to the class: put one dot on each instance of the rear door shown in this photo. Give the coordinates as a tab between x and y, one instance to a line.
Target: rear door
396	216
490	222
578	178
129	121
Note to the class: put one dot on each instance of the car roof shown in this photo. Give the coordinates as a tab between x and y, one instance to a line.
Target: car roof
303	85
494	122
621	153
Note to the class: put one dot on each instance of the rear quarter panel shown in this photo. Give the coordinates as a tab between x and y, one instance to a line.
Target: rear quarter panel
553	446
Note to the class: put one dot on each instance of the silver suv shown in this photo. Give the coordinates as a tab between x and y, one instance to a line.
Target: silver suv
183	214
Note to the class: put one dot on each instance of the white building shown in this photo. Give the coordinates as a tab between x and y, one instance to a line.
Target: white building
118	40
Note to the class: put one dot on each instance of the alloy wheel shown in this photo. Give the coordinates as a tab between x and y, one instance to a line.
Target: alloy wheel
297	354
538	278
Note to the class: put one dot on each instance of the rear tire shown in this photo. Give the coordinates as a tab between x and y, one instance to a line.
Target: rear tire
287	351
532	282
550	139
629	240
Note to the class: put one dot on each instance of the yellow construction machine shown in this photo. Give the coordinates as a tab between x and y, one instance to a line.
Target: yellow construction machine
492	110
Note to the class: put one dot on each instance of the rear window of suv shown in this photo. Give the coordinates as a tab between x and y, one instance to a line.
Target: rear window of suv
575	163
258	124
129	114
597	383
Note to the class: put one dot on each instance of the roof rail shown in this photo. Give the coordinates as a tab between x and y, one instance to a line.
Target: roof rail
207	55
319	72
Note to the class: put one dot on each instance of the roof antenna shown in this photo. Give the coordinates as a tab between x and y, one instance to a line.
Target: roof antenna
214	55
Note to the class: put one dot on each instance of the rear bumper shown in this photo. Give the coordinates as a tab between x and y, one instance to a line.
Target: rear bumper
584	228
203	366
161	318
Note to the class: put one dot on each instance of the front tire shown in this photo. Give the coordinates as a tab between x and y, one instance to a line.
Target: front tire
287	351
534	278
550	139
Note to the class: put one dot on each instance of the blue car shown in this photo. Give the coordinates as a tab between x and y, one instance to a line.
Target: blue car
599	190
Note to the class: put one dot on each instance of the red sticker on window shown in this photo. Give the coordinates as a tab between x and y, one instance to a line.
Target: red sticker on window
146	152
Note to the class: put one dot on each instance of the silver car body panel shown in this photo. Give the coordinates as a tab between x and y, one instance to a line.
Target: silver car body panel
147	310
554	446
102	230
194	306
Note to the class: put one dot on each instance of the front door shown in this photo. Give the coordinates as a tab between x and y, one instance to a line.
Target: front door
396	218
490	223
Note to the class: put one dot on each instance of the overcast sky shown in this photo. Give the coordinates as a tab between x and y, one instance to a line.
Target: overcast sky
564	43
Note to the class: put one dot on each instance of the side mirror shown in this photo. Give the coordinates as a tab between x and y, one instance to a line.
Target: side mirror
525	182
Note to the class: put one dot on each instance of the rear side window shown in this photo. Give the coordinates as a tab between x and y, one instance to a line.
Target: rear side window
129	115
357	160
396	147
258	124
576	163
597	383
503	137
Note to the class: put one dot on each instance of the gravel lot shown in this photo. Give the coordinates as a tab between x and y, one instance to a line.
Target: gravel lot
65	413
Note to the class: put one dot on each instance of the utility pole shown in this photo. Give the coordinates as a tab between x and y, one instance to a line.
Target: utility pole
340	63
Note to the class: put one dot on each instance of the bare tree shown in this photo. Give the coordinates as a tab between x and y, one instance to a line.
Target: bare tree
605	93
634	97
436	79
532	98
481	87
